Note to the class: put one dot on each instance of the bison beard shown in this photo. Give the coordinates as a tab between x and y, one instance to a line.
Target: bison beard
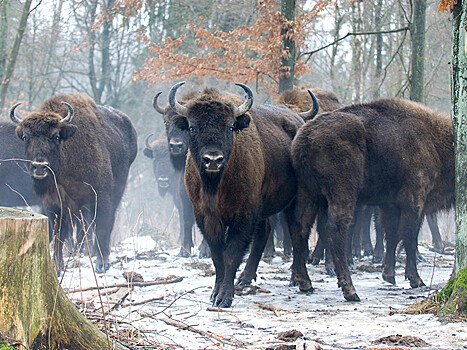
255	178
393	153
79	164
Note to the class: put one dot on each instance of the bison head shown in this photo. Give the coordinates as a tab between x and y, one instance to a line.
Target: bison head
211	120
42	133
162	166
178	139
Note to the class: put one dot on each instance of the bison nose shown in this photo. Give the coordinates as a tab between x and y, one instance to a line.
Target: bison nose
213	161
39	169
163	181
176	147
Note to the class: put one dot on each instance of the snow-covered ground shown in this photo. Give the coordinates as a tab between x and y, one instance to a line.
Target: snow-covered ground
323	316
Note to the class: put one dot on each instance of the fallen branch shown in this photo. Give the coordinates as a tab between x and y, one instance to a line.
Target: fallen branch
126	284
141	302
183	326
269	307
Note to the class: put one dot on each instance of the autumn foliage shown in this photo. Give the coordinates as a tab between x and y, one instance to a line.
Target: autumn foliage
244	54
444	4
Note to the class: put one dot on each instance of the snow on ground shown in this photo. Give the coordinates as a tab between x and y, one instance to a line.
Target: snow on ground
323	316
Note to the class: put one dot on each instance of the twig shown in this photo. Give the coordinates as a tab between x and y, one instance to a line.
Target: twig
269	307
135	284
182	326
142	302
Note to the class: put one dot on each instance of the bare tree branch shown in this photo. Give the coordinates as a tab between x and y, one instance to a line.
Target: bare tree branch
310	53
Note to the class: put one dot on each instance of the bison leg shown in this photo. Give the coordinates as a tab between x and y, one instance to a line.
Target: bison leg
259	242
318	252
217	257
390	217
436	240
301	217
238	239
287	243
187	220
104	224
409	228
378	252
269	247
337	224
204	251
365	233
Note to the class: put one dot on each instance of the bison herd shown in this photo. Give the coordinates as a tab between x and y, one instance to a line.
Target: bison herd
241	171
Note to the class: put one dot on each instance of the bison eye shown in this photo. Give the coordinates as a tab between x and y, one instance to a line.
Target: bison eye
192	130
25	138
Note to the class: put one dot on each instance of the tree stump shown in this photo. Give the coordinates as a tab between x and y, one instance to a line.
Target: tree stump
34	311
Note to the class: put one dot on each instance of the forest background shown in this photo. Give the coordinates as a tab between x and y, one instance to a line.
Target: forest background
122	53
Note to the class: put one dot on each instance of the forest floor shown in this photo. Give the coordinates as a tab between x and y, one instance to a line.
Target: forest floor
269	315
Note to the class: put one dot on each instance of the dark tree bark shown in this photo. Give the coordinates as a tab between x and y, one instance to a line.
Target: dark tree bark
417	32
287	73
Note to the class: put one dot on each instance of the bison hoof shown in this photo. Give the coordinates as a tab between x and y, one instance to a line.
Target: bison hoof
330	271
315	261
223	303
377	259
416	283
102	268
243	282
389	278
352	297
204	255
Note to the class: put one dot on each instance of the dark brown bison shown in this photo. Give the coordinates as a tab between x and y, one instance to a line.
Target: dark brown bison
169	180
393	153
177	142
238	173
15	182
80	155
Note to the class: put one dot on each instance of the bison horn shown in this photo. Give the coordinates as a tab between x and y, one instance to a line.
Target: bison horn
156	106
13	117
310	114
242	109
146	142
70	115
177	107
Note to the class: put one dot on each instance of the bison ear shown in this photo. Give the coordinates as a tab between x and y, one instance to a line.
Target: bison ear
180	122
242	122
148	153
67	131
19	132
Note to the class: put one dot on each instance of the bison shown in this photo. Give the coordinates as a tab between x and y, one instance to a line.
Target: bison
393	153
238	173
80	155
15	182
177	143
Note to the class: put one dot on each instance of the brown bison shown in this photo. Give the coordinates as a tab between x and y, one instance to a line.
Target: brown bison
393	153
300	100
177	143
80	155
238	173
15	182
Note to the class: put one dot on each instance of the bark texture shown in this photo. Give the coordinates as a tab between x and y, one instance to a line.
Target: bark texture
34	310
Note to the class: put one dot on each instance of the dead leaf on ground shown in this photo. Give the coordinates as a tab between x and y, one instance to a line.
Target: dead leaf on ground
289	336
402	340
132	276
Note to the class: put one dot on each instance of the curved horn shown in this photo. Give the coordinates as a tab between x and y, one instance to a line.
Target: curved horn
13	117
156	106
310	114
177	107
242	109
146	142
70	115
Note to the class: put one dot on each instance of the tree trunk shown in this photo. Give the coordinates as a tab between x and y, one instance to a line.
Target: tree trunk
10	68
417	32
34	310
455	291
287	73
379	50
357	51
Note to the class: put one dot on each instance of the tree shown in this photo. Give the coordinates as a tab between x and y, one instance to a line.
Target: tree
244	54
287	74
417	32
35	311
9	65
454	295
